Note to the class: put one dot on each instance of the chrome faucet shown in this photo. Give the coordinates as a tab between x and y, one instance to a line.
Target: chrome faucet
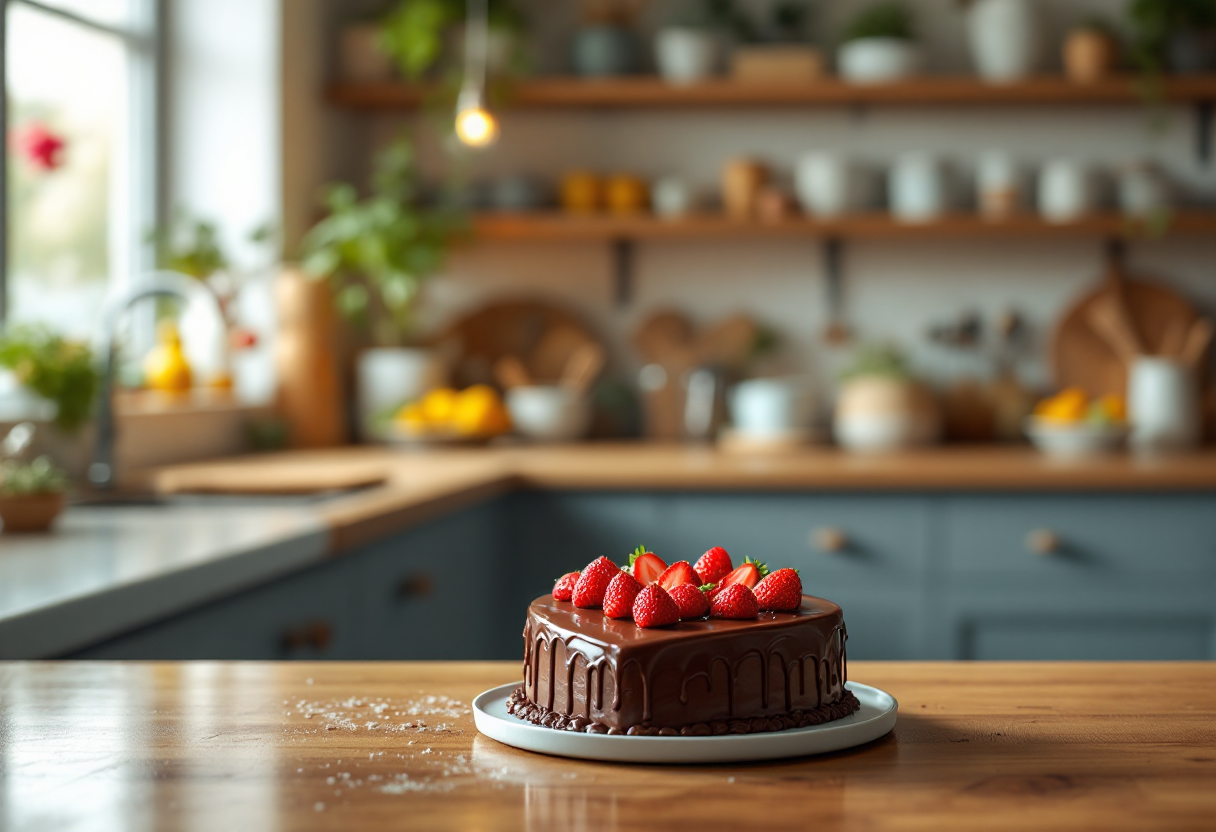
158	284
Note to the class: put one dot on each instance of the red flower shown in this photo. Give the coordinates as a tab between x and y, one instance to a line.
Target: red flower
40	147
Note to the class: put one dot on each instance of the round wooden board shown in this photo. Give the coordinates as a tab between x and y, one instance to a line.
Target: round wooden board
1081	358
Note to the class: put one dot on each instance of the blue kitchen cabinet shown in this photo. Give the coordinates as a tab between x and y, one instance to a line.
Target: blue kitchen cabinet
309	615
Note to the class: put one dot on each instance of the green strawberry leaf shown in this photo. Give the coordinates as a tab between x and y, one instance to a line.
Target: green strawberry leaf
706	587
760	567
635	554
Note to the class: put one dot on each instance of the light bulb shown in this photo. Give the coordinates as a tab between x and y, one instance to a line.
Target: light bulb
475	127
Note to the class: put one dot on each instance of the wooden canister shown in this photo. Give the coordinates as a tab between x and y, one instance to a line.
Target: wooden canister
307	361
742	180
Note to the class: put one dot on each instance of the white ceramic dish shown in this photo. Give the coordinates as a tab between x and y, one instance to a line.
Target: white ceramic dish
1074	440
875	719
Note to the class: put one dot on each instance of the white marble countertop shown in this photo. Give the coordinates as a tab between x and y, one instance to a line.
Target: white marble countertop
107	570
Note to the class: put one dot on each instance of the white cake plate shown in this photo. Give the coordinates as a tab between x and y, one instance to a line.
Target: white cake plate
875	718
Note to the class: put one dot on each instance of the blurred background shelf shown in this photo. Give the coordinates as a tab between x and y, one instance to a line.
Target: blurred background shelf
654	92
558	227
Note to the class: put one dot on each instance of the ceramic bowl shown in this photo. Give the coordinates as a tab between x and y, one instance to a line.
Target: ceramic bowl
33	513
1074	439
549	413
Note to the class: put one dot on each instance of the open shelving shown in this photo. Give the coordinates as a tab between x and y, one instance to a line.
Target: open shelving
649	91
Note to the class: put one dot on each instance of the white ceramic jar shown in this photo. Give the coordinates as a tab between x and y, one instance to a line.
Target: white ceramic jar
878	60
1065	191
998	185
917	188
827	184
769	408
1163	405
686	55
388	377
1005	39
549	413
672	197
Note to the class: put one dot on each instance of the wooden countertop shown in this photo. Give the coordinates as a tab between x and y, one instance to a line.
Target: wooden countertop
417	485
327	746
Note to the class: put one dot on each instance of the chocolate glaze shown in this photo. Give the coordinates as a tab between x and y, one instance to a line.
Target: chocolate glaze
579	663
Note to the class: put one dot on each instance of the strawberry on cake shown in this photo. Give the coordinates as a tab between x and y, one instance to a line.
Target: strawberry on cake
683	649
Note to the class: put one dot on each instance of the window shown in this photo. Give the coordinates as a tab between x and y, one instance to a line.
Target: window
80	82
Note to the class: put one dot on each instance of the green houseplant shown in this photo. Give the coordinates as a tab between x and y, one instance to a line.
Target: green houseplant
881	405
55	368
879	45
31	494
1176	34
417	34
377	252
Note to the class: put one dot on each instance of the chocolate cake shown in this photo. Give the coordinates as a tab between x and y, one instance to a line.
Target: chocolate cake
586	672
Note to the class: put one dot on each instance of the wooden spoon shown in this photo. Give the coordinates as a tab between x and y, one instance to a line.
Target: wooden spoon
1106	320
512	373
1197	342
583	367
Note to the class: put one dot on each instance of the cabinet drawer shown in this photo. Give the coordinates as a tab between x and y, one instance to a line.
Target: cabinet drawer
838	538
310	615
1049	623
431	593
1082	537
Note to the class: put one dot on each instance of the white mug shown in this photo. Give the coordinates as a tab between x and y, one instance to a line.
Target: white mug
686	56
827	184
672	197
917	188
1163	404
1065	191
770	407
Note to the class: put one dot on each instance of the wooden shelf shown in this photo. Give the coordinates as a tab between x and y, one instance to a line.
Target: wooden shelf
650	91
558	227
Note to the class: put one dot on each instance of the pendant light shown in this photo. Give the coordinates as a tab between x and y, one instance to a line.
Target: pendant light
475	126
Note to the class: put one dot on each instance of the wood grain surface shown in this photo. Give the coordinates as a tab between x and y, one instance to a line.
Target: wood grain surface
392	746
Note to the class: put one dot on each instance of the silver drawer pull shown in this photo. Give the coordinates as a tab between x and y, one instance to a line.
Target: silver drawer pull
1042	542
829	539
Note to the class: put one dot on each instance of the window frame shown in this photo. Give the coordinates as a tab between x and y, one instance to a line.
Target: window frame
144	38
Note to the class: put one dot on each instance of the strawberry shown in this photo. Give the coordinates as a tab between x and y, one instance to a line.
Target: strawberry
618	599
713	565
780	591
593	583
654	608
563	590
680	572
691	601
749	574
646	566
735	601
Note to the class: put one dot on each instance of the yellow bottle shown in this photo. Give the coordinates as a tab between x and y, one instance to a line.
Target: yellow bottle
165	366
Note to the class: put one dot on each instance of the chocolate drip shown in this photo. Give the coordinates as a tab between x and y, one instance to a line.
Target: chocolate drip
655	672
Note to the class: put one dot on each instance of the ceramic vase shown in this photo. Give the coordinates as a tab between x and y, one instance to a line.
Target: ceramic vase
1005	39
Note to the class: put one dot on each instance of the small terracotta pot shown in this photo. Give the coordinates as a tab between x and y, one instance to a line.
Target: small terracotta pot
34	513
1089	56
742	180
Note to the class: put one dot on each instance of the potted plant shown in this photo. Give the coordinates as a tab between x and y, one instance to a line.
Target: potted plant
62	373
1090	52
1176	34
881	406
31	494
418	34
879	46
1005	39
377	252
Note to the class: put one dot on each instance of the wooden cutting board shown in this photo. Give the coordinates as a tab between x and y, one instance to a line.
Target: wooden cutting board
1080	357
313	473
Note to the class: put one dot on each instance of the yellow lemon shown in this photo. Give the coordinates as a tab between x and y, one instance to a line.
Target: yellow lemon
439	406
412	418
1069	405
480	412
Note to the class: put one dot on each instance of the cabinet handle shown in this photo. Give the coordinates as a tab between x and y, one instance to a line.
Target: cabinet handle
415	586
829	539
315	635
1042	542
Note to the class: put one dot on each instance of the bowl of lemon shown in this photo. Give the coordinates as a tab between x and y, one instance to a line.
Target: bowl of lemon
446	416
1072	424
